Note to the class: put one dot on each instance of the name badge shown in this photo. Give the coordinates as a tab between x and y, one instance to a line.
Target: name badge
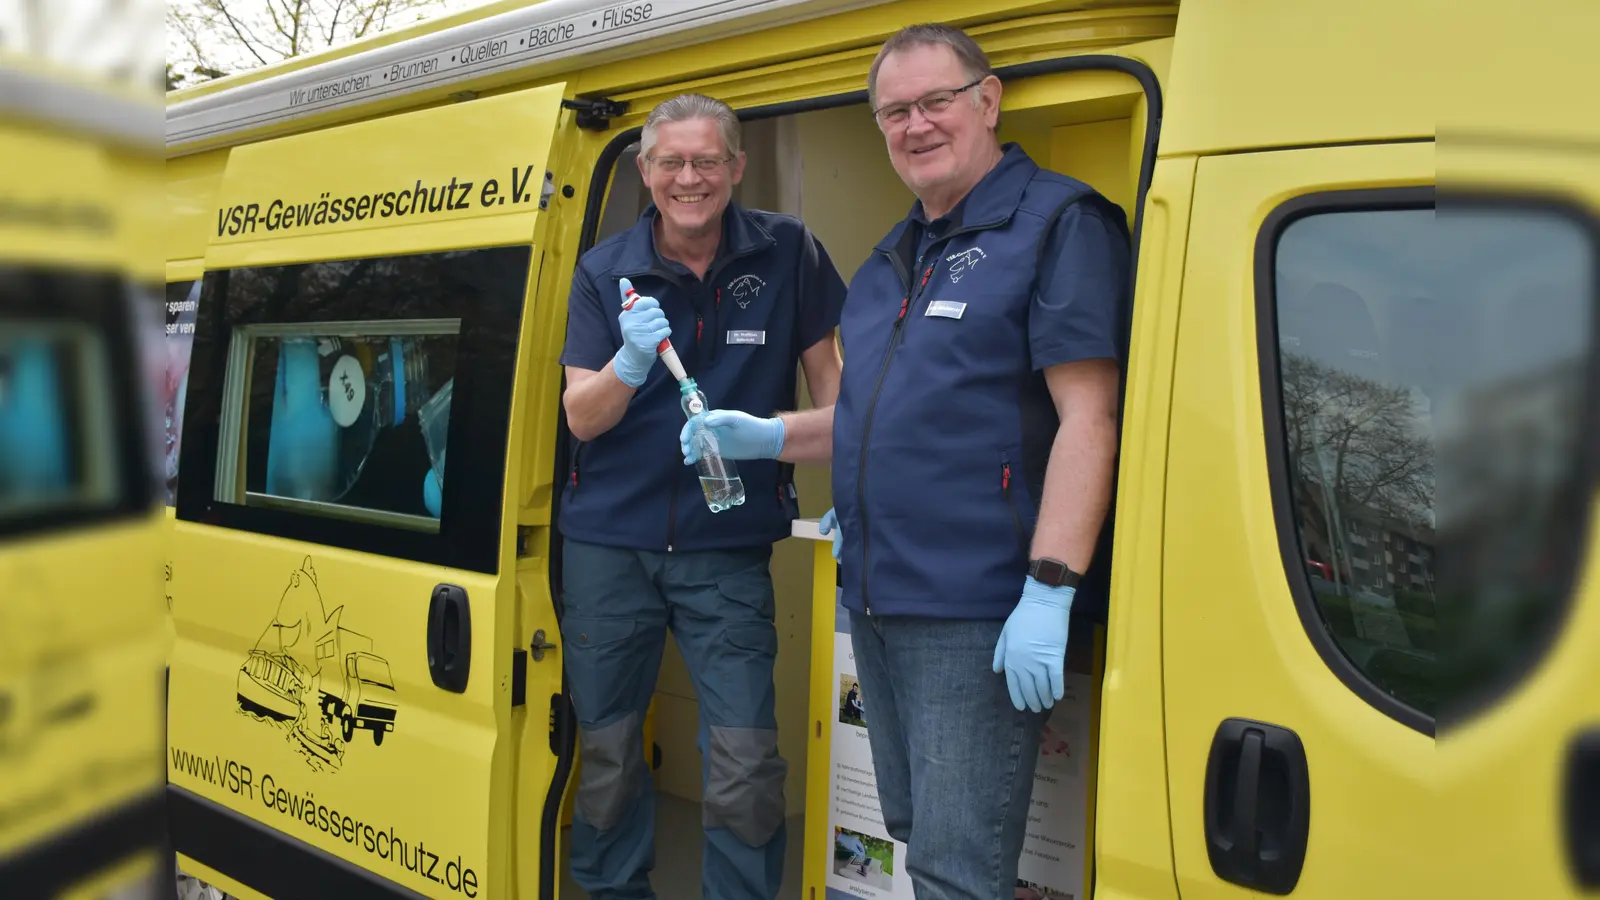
747	337
948	309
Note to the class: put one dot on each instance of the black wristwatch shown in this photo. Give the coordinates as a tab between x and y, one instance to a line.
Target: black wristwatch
1053	573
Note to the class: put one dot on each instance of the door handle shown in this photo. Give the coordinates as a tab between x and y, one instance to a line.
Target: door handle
1257	805
1581	812
449	638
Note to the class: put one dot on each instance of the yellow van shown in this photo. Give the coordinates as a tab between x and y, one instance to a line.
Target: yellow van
1353	397
83	630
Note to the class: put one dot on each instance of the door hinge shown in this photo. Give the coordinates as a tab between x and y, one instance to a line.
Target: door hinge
519	677
596	115
540	645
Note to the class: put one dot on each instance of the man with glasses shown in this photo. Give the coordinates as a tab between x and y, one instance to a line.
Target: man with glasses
747	297
973	445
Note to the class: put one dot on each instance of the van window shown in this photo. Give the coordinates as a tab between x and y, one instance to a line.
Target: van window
1433	373
344	429
334	386
69	401
55	423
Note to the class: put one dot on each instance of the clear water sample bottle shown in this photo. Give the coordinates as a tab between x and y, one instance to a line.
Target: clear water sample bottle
719	478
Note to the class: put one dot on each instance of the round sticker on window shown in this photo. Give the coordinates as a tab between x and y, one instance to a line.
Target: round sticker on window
347	391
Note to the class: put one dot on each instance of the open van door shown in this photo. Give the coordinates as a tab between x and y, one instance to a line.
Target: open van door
82	631
347	690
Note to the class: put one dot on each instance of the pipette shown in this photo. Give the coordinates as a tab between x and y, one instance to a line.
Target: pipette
668	355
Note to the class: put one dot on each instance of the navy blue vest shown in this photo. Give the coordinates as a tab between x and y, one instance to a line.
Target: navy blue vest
943	427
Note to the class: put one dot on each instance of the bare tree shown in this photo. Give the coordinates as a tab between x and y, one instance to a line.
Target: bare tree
212	38
1359	451
1359	438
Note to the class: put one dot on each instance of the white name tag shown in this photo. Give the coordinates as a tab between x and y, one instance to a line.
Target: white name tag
948	309
747	337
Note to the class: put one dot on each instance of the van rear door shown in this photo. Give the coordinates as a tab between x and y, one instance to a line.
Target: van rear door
346	692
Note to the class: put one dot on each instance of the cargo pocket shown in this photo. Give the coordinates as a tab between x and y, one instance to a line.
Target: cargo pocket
603	664
756	637
750	588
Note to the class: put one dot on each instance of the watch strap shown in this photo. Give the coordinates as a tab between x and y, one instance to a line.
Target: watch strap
1053	573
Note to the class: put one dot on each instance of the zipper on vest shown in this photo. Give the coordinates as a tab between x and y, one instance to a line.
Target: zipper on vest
872	407
672	512
1011	503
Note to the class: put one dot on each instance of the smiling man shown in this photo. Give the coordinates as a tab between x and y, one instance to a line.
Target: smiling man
748	297
973	446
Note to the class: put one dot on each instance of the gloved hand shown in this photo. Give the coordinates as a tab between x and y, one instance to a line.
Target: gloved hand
830	522
644	327
739	435
1032	650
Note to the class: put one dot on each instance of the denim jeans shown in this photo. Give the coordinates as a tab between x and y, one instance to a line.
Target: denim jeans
619	605
954	759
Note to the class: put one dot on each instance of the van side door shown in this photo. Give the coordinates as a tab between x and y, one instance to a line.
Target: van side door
346	691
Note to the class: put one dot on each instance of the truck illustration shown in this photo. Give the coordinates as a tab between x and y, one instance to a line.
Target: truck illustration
316	679
356	687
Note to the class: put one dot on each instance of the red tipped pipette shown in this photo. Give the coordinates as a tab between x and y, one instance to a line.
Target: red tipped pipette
668	355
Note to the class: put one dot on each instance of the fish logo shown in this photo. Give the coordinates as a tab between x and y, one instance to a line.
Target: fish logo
961	263
745	288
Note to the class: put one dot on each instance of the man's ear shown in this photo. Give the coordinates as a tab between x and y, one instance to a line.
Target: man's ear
990	90
737	172
644	173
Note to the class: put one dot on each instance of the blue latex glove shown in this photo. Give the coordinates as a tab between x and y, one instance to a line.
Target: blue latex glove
830	523
644	327
1032	650
739	436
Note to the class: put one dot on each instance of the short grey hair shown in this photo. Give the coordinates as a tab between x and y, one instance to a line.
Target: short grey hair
974	62
692	106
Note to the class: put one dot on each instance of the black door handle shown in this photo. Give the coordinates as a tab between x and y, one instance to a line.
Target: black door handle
449	638
1582	809
1257	805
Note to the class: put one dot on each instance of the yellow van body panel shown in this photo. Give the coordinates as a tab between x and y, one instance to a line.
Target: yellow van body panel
1536	85
67	214
1133	838
299	197
192	183
81	671
1248	76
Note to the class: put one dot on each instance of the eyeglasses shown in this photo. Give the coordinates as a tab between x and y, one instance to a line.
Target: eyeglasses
931	104
674	164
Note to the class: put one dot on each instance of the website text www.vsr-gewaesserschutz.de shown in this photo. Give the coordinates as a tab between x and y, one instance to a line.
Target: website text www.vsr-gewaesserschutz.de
377	841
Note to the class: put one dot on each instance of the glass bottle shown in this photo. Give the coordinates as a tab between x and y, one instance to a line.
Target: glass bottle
719	478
